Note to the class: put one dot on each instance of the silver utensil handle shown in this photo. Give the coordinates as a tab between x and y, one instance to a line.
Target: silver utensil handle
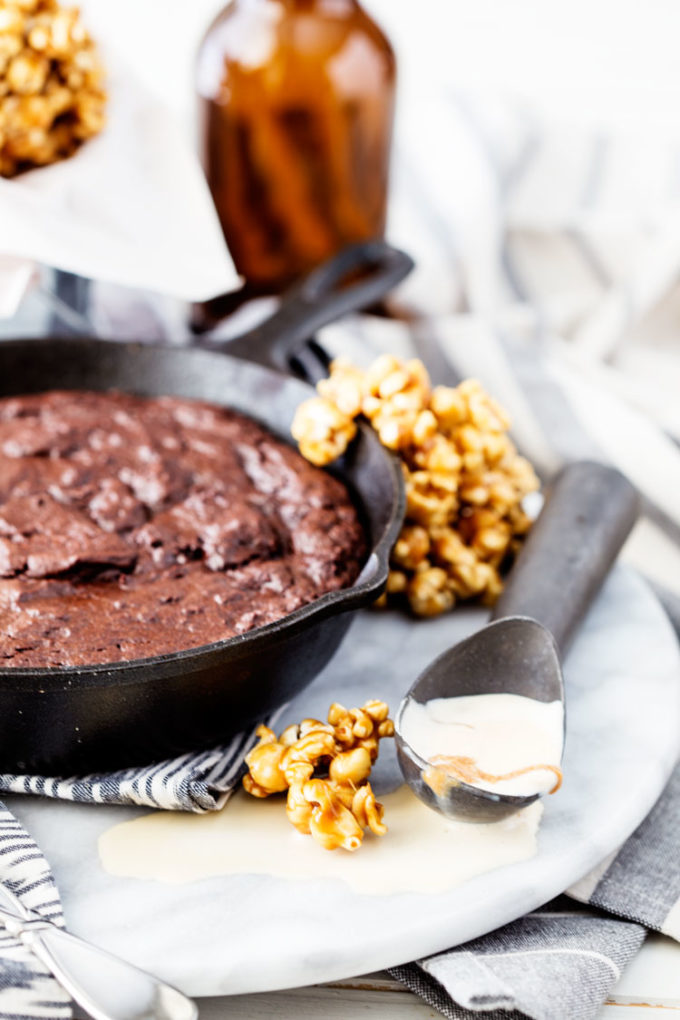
107	987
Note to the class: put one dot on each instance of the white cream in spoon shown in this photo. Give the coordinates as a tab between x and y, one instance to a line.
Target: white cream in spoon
499	733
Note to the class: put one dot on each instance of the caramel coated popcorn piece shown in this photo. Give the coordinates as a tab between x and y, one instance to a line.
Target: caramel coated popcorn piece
298	808
464	479
264	765
412	547
351	766
344	387
51	84
322	430
430	592
331	824
367	810
325	768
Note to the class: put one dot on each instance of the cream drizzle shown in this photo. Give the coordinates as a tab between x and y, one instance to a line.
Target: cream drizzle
422	852
503	734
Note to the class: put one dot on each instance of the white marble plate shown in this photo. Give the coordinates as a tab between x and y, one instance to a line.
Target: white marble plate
253	933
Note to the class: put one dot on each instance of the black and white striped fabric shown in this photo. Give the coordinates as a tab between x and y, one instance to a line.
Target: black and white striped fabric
196	782
27	989
550	227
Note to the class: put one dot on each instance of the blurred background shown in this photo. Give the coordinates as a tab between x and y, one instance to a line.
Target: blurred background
584	60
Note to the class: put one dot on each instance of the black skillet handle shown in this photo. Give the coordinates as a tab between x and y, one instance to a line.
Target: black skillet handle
319	299
589	512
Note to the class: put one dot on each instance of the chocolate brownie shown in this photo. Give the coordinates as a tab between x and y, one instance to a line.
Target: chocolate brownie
133	526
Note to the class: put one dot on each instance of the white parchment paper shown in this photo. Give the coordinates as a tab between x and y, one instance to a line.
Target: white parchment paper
131	207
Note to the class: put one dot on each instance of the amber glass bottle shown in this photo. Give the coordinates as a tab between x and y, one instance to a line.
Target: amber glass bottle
297	100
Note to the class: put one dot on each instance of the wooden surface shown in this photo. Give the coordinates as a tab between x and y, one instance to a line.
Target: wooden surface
650	988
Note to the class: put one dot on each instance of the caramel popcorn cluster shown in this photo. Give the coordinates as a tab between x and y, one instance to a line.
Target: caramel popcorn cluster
51	94
465	481
324	767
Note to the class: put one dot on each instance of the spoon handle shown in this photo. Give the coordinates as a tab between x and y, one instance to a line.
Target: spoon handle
106	987
589	511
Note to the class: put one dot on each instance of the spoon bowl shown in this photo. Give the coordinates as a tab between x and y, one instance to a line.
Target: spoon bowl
531	667
588	513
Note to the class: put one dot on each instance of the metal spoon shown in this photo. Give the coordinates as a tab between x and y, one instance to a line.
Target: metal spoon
589	511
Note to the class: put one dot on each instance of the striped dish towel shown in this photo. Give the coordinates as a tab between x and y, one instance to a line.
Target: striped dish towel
196	782
557	963
27	989
568	230
191	782
554	964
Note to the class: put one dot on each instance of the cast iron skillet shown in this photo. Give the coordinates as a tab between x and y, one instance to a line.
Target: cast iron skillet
70	720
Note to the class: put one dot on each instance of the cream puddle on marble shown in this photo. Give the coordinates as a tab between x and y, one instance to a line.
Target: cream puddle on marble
422	851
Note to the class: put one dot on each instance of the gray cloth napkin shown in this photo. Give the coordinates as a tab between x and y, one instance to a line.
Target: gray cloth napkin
560	963
549	965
